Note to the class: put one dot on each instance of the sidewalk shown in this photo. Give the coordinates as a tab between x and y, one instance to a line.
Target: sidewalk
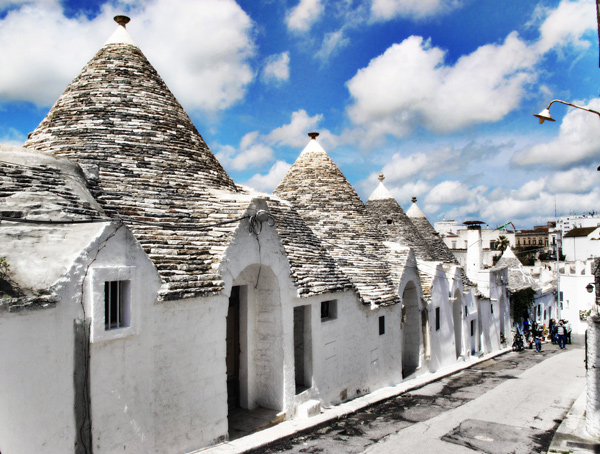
571	437
290	428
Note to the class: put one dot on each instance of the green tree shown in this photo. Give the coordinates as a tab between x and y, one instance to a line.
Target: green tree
521	303
502	244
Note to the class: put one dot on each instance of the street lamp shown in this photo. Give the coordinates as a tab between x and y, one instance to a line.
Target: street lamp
545	114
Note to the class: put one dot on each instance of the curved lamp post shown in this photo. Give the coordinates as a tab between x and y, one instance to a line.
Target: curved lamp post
545	114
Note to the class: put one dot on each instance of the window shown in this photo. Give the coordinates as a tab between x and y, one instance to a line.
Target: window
466	311
116	305
113	303
534	241
437	318
539	310
492	307
472	328
381	325
561	297
390	221
492	245
454	245
328	310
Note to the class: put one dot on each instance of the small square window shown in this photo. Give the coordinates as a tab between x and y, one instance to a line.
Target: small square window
328	310
117	312
437	318
381	325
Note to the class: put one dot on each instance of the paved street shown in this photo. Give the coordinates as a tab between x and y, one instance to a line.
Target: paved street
510	404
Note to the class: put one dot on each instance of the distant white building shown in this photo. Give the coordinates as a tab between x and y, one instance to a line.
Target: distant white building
581	243
456	237
566	223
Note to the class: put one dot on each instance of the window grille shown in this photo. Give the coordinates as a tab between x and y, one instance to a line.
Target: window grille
116	305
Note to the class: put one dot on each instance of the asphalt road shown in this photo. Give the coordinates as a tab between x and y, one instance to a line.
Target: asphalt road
510	404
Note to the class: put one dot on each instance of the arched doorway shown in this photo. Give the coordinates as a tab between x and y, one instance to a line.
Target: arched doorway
254	355
411	330
458	323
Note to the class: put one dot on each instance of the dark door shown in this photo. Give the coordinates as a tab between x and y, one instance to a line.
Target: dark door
233	349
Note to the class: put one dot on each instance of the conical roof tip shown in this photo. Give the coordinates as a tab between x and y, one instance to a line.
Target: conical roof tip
313	146
414	211
121	35
381	192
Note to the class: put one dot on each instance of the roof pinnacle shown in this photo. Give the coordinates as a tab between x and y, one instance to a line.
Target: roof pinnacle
122	20
414	200
313	135
381	177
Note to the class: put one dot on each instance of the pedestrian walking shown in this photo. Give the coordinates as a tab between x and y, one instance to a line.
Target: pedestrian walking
537	336
552	329
562	334
569	329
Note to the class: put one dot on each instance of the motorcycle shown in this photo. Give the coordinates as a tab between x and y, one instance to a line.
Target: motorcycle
518	345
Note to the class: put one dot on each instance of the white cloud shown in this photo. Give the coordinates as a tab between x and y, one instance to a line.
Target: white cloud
277	68
566	24
578	141
269	181
294	133
252	153
410	84
204	59
332	43
416	9
449	192
304	15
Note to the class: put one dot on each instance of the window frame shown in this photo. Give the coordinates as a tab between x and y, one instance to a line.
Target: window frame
99	276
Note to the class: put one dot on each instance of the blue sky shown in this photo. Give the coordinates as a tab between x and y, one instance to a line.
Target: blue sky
436	94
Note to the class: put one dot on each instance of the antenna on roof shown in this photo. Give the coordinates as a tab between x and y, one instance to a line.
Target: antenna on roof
122	20
313	135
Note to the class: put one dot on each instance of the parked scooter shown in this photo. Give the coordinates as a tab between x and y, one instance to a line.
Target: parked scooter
518	345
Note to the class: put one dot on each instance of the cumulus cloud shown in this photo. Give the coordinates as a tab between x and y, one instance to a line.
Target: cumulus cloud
566	24
277	68
252	153
578	142
294	133
304	15
269	181
209	71
415	9
255	149
410	84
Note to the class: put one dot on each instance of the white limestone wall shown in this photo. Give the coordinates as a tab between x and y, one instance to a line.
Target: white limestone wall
36	376
576	298
593	377
121	362
442	340
188	395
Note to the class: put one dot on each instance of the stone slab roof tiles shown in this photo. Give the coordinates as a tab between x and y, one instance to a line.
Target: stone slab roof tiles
146	162
436	246
313	270
44	209
518	278
393	222
330	206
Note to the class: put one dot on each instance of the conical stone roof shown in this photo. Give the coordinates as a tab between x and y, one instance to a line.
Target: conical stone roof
393	222
117	117
437	248
145	162
318	190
